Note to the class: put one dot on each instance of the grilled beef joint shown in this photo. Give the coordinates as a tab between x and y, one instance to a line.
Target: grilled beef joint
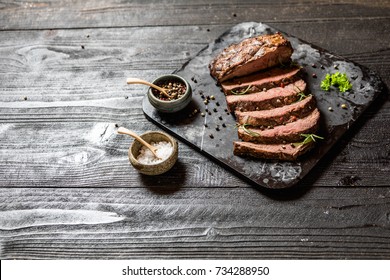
270	100
251	55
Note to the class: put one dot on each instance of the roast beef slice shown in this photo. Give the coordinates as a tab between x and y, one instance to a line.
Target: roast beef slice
265	100
289	133
274	77
285	152
278	116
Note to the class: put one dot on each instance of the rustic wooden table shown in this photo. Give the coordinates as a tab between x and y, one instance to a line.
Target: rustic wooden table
68	191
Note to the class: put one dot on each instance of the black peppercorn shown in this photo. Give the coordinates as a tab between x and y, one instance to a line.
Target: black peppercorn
174	89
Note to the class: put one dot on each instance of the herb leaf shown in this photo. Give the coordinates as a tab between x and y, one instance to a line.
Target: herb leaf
241	92
325	83
250	132
300	94
307	139
338	80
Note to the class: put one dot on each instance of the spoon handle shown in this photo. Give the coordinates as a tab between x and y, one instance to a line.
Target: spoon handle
143	82
122	130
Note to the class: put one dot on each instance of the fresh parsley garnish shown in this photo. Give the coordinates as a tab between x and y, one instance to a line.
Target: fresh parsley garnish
326	83
338	80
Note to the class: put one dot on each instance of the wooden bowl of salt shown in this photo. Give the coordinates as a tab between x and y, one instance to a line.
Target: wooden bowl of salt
145	162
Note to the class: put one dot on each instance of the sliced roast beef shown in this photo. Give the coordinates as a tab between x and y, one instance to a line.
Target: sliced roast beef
278	116
274	77
251	55
271	151
289	133
265	100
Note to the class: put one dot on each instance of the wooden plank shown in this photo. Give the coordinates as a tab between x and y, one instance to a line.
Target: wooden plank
140	223
87	14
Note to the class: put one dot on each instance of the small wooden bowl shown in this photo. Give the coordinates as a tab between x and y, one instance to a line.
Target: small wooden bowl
158	168
173	105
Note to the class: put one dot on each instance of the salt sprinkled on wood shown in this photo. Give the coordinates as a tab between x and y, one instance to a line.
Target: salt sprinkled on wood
164	150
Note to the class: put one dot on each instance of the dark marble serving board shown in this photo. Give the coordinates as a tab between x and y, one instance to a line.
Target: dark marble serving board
218	145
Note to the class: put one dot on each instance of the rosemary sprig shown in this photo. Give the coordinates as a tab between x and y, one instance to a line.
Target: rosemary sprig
248	131
299	90
241	92
307	139
301	94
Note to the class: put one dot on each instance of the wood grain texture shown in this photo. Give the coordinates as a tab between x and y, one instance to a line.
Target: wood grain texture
101	13
240	223
67	189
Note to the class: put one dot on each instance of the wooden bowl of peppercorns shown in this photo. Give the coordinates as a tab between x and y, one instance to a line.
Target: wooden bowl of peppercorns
178	89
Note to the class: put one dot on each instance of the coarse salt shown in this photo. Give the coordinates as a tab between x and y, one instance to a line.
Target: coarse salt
164	150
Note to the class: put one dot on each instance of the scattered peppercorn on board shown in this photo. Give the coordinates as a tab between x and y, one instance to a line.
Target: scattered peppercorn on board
207	126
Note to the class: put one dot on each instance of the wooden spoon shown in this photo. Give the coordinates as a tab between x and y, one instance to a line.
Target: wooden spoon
126	131
140	81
